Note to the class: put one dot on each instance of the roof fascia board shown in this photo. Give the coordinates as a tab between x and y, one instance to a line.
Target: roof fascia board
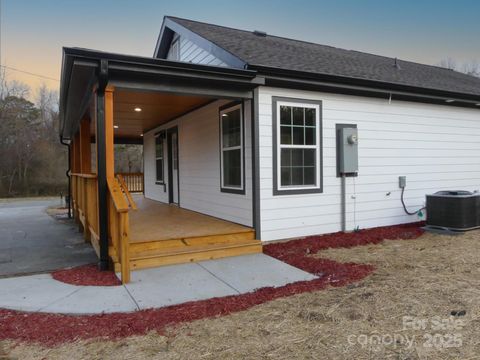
369	91
185	73
163	41
130	60
217	51
184	89
273	74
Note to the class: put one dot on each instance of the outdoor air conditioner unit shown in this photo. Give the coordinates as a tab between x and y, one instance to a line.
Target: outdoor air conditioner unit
453	210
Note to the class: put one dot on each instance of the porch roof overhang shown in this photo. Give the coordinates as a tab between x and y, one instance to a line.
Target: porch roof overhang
84	70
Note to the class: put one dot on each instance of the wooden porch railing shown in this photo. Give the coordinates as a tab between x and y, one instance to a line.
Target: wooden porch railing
119	226
85	207
134	181
124	187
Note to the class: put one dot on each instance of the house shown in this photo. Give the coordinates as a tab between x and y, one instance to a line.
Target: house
251	138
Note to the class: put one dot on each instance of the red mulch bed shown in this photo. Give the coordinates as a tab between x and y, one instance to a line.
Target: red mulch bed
52	329
87	275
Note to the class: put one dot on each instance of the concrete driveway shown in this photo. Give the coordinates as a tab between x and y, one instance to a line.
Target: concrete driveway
31	241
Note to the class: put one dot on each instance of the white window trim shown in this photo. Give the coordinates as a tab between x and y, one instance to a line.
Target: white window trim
316	146
240	147
161	182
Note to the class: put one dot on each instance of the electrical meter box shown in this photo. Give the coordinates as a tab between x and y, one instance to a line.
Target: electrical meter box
348	151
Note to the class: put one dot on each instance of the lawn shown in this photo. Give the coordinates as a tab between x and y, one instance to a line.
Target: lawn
421	302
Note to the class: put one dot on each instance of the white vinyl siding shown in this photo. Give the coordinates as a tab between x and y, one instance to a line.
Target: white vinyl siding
437	147
174	51
199	166
190	52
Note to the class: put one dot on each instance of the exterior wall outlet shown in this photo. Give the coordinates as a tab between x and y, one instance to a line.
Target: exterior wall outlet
402	182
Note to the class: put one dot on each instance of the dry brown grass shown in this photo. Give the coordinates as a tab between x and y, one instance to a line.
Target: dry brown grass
425	278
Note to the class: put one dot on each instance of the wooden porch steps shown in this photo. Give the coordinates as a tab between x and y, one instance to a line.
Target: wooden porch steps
177	251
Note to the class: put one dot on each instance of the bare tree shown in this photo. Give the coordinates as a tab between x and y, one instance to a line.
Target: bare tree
448	63
469	68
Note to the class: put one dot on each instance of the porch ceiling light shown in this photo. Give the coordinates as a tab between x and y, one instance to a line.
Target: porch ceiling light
137	109
224	115
115	126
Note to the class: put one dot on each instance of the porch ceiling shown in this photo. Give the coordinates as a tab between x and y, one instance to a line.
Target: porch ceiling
156	109
144	81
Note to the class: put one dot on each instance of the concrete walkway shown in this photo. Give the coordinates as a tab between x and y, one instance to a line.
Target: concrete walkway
150	288
31	241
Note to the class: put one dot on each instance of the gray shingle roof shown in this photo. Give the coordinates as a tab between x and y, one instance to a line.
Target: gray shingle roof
288	54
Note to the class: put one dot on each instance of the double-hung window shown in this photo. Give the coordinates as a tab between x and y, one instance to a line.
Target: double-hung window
231	149
297	146
159	159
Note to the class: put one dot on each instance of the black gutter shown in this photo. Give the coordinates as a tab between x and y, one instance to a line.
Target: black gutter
340	84
101	166
166	64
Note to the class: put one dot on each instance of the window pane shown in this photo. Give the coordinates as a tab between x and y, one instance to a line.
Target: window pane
231	128
232	173
310	136
298	163
159	164
298	116
158	147
309	176
309	117
309	157
297	176
285	115
286	135
285	157
286	173
298	138
297	157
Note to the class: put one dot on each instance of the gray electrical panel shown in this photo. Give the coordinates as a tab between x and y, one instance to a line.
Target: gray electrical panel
348	151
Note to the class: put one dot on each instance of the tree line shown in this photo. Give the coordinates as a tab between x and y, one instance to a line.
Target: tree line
32	160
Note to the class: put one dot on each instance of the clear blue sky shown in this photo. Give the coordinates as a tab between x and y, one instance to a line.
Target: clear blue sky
33	31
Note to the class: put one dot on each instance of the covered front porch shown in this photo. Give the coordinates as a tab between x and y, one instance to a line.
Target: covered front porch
165	234
177	214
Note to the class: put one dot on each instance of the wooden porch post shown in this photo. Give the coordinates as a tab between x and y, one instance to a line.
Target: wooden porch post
85	168
105	169
85	150
75	169
109	148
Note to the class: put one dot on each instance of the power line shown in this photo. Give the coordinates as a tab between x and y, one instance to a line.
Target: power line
29	73
14	69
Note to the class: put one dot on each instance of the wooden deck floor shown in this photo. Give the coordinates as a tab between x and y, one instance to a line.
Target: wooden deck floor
156	221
